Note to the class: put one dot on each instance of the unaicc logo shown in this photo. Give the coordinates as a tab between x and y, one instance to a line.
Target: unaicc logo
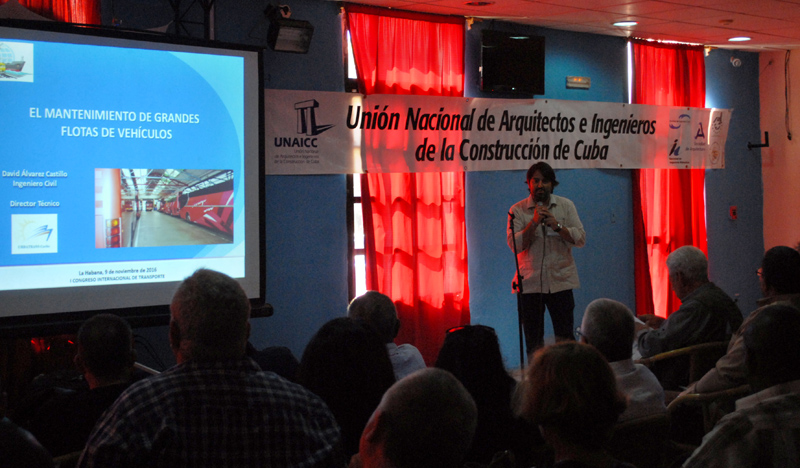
306	125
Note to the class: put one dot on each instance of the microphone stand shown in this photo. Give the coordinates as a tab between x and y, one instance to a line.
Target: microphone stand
518	285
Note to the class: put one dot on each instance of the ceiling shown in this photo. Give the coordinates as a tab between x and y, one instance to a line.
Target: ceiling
772	24
165	184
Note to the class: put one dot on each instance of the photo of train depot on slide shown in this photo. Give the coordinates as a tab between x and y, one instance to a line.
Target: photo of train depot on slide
162	207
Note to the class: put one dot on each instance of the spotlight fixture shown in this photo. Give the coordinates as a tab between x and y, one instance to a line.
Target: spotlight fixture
285	34
626	24
739	39
579	82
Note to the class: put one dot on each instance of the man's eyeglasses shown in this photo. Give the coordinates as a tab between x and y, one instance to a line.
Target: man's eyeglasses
578	334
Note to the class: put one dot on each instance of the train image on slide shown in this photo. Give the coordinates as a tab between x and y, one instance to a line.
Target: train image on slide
210	206
160	207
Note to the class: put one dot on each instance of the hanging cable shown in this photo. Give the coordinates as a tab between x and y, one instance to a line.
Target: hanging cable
148	347
787	92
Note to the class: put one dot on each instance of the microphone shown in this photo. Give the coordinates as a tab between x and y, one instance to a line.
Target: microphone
540	204
542	220
539	218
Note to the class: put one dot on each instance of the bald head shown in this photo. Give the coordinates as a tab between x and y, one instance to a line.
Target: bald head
425	420
210	318
378	311
608	326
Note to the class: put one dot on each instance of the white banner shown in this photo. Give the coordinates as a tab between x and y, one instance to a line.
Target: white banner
312	132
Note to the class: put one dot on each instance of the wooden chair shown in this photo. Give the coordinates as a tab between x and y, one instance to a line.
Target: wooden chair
145	369
699	358
713	405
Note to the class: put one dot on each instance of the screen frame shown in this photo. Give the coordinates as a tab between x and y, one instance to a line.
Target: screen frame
48	324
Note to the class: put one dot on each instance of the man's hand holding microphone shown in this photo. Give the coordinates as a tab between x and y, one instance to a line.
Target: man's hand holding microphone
542	215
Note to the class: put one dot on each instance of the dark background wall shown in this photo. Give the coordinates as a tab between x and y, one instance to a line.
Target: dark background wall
306	234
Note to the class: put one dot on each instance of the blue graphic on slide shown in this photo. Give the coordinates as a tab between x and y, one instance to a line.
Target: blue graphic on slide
41	231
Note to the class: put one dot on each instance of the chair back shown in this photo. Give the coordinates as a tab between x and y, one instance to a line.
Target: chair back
704	358
711	407
678	368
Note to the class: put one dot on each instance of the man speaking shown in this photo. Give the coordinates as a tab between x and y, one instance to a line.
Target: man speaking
545	228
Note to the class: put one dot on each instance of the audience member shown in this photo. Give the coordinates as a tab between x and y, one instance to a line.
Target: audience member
277	359
105	356
608	326
570	392
706	314
347	366
426	420
18	448
779	276
472	354
762	432
379	312
215	407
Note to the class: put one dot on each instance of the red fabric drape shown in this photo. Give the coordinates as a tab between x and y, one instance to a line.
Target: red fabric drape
68	11
415	228
671	201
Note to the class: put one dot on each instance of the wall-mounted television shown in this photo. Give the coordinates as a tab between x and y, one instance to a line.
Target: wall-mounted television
129	161
512	63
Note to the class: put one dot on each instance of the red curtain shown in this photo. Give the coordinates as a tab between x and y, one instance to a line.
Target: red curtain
68	11
416	244
669	204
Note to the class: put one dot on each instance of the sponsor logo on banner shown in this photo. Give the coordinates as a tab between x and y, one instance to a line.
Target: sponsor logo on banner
715	154
301	137
304	149
716	122
680	141
307	118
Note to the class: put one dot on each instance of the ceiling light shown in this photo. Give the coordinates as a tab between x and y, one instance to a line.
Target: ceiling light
739	39
625	24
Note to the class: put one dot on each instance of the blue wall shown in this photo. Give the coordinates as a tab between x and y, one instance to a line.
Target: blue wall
603	197
306	234
735	247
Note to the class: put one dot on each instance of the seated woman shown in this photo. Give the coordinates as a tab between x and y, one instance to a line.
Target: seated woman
571	393
348	366
472	354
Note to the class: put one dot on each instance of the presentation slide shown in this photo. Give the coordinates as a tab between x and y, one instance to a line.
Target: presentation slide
125	166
